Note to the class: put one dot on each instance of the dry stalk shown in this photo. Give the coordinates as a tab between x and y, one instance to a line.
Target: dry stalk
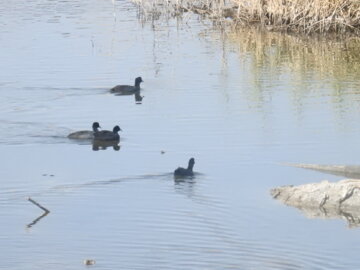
38	205
307	16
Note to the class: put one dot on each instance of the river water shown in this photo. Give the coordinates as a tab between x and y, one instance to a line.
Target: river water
241	103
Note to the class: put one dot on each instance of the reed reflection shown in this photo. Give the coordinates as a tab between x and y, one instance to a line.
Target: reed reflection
331	61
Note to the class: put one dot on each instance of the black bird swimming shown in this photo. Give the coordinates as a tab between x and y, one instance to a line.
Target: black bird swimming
107	135
127	89
186	172
85	134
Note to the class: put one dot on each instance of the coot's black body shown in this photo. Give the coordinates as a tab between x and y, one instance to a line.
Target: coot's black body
186	172
107	135
127	89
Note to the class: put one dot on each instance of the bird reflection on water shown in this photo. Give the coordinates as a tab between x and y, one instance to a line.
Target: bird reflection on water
185	185
137	96
103	145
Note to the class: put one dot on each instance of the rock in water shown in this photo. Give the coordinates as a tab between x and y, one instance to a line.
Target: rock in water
325	199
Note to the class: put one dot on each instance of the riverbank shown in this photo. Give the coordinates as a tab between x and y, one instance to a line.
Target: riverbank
308	16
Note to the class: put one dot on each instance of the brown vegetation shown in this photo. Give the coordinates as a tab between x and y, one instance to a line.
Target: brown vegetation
306	16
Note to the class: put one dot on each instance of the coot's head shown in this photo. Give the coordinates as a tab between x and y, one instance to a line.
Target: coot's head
116	129
96	125
138	80
191	162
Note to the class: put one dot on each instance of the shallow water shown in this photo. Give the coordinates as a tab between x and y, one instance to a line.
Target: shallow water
240	104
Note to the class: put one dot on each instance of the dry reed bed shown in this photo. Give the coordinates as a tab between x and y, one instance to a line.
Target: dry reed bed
306	16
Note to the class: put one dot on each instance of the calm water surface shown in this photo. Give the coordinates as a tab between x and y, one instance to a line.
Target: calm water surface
241	104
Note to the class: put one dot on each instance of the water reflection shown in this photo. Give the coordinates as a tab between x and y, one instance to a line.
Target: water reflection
306	65
307	57
351	215
184	185
137	95
36	220
103	145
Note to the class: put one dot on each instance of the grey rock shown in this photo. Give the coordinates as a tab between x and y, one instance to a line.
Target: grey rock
324	200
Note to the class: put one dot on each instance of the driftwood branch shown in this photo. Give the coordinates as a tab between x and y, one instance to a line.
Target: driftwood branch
46	212
38	205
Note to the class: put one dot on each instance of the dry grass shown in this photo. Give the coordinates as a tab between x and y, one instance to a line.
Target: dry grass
307	16
303	15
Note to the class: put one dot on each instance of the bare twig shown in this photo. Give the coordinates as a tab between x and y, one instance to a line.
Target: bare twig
46	212
38	205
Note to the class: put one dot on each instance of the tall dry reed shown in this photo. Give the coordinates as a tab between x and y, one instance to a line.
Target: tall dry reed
307	16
